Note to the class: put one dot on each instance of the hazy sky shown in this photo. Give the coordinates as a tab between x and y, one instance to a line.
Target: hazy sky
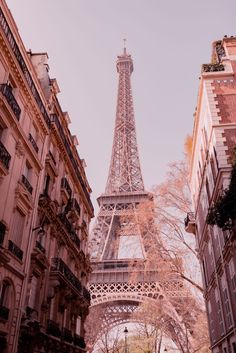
168	40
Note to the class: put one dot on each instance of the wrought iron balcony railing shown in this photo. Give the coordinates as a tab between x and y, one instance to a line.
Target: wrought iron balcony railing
70	229
86	294
33	143
7	92
79	341
15	250
66	335
2	232
190	223
212	67
65	185
5	157
23	67
59	266
27	184
53	329
4	313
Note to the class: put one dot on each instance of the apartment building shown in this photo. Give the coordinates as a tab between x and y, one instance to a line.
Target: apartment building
212	162
45	208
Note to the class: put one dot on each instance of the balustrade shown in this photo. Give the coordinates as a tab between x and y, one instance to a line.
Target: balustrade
27	184
33	143
15	250
5	157
7	92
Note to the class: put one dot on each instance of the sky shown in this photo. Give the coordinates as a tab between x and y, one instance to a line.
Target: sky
169	40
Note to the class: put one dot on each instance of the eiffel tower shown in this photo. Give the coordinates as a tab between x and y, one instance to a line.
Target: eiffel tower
116	242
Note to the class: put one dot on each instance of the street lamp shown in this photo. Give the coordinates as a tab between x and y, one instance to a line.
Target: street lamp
126	346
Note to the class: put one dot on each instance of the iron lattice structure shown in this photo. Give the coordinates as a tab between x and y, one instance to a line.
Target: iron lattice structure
119	284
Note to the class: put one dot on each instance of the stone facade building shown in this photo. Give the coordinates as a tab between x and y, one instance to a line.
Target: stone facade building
45	208
214	142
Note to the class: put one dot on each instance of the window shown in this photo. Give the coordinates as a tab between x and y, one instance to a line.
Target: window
208	192
232	273
234	347
33	292
5	294
227	308
219	312
28	171
213	169
78	325
18	227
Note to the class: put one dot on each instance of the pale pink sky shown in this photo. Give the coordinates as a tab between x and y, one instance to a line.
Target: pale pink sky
168	40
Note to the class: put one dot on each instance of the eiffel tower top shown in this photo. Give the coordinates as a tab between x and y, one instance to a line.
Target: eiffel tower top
125	173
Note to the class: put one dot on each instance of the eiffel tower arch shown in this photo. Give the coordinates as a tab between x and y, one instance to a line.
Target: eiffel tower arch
119	281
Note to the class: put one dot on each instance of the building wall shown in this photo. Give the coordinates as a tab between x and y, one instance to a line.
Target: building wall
214	137
45	207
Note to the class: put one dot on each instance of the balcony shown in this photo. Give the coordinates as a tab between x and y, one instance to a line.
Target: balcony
190	223
27	184
7	92
53	329
86	294
212	67
4	313
70	229
2	232
15	250
79	341
5	157
33	143
66	335
65	185
58	265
